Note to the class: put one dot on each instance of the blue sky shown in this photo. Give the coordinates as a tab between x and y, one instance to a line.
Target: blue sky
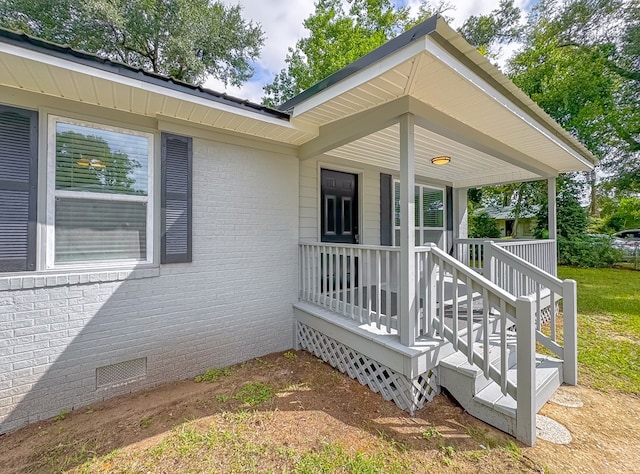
281	21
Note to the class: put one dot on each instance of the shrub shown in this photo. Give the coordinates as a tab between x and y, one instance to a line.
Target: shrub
483	226
587	251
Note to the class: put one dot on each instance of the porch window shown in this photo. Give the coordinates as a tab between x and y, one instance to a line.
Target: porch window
429	214
99	193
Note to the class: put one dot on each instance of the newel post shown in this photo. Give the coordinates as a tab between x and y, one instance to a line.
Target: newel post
407	290
526	366
570	331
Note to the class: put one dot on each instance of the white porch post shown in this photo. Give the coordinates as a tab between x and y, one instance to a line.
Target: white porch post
552	221
460	218
407	293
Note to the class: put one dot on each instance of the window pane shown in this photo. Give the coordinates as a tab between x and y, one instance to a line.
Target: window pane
330	215
346	215
434	236
417	206
89	230
433	207
396	202
104	161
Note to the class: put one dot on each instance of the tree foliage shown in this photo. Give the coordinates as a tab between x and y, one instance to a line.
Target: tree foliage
188	40
488	32
580	63
339	34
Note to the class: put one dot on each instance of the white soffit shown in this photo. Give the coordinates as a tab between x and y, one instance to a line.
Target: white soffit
468	167
428	72
37	72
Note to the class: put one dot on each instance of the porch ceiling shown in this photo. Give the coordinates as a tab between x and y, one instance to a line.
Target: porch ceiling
468	167
464	106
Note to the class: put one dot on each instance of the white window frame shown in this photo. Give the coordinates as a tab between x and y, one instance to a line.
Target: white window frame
419	225
52	194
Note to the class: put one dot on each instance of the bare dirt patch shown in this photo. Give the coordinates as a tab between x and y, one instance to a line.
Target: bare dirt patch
299	415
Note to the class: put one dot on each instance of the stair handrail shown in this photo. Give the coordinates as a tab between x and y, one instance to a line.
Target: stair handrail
506	304
523	390
565	289
550	281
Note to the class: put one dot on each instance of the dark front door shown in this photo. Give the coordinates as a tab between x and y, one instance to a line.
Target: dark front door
339	209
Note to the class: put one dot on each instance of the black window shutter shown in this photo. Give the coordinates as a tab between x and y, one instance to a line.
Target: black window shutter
449	217
386	215
177	159
18	188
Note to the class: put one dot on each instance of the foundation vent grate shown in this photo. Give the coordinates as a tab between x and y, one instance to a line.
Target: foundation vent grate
121	373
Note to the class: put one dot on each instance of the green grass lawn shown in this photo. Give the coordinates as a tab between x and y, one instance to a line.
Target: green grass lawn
608	327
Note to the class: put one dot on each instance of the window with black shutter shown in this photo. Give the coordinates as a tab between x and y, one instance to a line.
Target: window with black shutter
18	188
176	198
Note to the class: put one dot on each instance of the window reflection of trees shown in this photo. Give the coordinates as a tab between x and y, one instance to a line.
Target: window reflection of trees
87	163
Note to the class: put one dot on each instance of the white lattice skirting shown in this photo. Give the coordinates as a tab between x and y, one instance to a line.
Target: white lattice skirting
409	395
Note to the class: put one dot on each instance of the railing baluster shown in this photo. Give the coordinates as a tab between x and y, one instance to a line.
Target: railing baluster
416	315
504	354
316	274
431	289
369	278
332	279
352	283
378	290
485	331
423	292
344	279
441	297
538	306
552	312
454	313
470	320
360	284
388	293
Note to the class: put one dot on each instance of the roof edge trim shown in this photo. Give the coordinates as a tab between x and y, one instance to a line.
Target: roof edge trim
419	31
22	40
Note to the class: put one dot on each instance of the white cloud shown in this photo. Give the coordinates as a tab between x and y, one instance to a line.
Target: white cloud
281	21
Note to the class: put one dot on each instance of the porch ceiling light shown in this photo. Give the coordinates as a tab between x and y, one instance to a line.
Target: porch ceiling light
441	160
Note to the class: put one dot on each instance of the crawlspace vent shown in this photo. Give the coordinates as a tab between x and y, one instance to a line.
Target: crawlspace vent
121	373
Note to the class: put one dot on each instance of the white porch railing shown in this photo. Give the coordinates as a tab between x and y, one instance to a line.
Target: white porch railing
361	283
541	253
358	281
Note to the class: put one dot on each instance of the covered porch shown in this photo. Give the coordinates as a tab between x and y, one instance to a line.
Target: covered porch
391	289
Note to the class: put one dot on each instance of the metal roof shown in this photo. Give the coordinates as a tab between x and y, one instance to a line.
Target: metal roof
65	52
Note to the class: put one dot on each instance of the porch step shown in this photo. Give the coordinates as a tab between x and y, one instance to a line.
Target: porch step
483	398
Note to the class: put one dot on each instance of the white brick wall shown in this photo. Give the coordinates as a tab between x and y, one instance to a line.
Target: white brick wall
234	302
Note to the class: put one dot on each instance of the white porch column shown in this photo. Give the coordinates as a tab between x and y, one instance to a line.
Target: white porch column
460	218
407	293
552	221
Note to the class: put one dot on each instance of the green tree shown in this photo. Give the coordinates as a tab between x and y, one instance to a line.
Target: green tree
580	63
481	225
339	34
188	40
488	32
87	163
623	213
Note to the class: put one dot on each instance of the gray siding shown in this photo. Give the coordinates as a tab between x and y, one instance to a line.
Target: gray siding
234	302
369	186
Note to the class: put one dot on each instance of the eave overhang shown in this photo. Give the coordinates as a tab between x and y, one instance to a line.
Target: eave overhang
463	107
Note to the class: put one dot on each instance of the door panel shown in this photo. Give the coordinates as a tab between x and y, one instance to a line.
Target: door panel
339	209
